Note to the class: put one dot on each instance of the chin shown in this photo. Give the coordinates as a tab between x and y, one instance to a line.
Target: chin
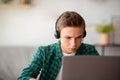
72	51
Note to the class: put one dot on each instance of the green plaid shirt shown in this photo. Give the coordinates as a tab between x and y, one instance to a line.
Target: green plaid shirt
48	59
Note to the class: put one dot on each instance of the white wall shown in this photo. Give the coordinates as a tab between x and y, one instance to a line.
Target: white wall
34	26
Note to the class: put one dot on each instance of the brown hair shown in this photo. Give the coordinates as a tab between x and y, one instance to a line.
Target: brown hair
69	18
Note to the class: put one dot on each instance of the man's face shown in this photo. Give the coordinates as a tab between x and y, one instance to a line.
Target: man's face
71	38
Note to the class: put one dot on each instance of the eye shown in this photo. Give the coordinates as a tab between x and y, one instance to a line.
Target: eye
68	37
79	37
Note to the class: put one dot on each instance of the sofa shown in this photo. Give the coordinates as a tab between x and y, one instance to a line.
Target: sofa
13	59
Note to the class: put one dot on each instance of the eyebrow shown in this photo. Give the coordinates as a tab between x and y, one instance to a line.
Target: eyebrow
75	37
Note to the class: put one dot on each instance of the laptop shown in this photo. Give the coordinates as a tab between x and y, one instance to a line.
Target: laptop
91	68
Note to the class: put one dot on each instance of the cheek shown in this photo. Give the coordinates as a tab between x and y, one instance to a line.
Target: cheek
64	42
79	42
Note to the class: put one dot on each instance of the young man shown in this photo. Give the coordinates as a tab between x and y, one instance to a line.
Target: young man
47	61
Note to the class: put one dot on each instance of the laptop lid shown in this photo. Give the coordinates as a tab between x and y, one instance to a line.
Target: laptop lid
91	68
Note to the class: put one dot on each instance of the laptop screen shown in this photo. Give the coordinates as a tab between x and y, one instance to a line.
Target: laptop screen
91	68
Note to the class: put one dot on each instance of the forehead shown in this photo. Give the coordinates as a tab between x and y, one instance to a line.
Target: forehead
72	31
72	28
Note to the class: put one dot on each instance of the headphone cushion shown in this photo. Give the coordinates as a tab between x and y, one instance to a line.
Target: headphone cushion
84	35
57	35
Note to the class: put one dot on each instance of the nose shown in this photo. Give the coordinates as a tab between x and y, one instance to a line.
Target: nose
73	42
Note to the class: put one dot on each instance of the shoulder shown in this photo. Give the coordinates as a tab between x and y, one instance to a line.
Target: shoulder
88	49
48	49
85	45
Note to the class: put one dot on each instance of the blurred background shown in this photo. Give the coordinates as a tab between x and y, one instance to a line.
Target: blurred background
27	24
34	25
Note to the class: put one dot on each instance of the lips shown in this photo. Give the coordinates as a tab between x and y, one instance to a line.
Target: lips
72	49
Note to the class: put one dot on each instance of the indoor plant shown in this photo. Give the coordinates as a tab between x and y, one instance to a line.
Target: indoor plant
104	30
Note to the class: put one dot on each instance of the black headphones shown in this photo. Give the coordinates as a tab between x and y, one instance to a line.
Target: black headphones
57	33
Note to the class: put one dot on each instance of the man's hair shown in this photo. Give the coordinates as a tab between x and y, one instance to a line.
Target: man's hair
69	19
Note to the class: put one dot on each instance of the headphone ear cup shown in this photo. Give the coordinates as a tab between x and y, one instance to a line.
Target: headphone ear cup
84	35
57	35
